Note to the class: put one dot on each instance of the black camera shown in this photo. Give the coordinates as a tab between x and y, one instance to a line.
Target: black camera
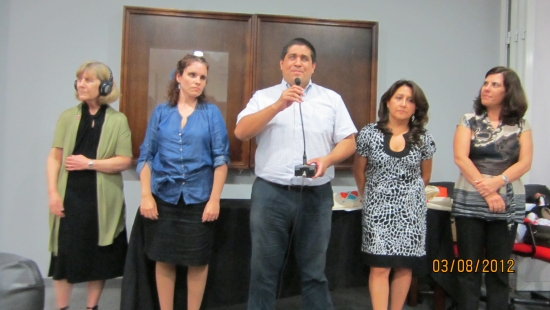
305	170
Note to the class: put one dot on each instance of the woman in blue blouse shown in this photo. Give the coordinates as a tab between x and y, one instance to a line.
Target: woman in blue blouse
182	166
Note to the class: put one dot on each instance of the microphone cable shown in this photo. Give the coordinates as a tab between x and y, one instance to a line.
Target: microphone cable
289	247
297	81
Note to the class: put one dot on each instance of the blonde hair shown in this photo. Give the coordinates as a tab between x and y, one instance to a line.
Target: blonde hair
103	73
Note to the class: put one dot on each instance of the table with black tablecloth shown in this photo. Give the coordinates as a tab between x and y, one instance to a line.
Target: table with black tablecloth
229	268
439	249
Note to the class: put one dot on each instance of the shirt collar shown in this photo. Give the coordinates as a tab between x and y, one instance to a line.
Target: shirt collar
306	90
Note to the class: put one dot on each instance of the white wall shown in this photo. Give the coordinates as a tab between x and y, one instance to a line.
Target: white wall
445	46
4	21
540	116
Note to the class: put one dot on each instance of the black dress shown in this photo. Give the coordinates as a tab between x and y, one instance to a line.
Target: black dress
79	258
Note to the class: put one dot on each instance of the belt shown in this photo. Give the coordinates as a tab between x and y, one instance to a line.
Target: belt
292	188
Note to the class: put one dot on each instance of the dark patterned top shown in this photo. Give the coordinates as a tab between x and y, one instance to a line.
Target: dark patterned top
492	150
394	206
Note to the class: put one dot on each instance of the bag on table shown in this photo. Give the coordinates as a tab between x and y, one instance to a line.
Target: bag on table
541	233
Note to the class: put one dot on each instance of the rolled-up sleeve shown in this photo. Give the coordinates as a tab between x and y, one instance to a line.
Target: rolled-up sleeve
251	107
149	147
218	137
343	124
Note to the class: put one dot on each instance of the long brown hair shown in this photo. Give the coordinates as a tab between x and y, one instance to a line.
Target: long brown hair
173	90
514	103
417	121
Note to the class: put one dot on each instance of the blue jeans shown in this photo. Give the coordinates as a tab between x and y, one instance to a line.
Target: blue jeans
274	212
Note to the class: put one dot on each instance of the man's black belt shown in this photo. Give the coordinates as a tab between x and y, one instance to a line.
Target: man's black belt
292	188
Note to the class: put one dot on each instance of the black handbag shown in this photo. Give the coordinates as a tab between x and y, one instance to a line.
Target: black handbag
541	235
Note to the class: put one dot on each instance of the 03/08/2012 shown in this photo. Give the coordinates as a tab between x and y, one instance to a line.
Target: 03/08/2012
469	265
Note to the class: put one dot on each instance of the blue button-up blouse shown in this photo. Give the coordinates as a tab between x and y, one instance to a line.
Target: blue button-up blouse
182	160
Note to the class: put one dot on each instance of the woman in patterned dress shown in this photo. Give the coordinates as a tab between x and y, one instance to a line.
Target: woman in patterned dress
396	154
493	148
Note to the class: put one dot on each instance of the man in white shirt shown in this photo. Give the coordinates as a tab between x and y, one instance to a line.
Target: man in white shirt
285	206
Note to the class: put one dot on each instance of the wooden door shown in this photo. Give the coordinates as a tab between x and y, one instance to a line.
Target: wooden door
244	52
155	40
346	60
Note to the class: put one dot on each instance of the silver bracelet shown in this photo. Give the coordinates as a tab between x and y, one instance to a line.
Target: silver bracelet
505	178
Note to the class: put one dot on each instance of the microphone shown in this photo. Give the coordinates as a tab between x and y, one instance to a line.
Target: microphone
303	170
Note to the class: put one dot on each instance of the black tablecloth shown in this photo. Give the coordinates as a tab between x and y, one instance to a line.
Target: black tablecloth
229	268
439	244
439	247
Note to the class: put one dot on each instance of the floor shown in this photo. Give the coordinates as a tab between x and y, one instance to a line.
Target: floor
343	299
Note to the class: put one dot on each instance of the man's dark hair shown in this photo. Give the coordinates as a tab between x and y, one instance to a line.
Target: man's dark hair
299	41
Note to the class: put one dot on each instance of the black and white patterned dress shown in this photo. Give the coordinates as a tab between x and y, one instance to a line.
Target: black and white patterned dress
394	206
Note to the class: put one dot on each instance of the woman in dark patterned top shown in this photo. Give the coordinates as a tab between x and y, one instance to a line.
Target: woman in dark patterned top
493	148
396	154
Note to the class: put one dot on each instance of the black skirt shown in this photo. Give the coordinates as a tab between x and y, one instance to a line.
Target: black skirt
418	264
90	263
179	236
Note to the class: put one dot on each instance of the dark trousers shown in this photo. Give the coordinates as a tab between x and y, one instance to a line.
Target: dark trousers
276	212
478	240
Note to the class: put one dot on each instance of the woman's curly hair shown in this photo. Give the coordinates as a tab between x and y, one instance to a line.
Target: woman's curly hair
419	118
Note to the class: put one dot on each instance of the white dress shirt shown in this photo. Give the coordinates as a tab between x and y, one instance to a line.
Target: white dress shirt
281	144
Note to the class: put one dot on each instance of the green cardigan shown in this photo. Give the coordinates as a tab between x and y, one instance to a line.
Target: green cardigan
115	139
